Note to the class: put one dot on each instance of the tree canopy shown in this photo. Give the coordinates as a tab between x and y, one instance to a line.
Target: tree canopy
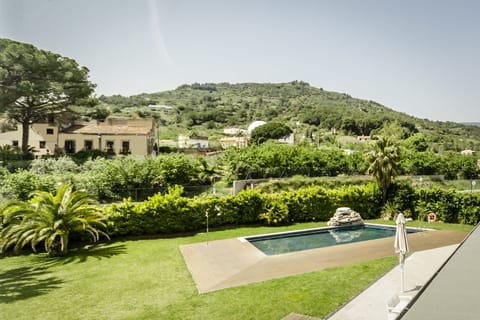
35	83
383	160
270	130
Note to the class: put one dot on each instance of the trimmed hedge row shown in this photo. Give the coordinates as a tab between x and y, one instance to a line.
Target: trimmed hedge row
171	212
450	205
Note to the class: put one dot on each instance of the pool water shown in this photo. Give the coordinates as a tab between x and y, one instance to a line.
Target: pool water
321	237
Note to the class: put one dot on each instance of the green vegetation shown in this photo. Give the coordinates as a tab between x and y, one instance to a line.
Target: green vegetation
311	112
50	219
148	279
114	179
383	161
270	130
173	213
439	225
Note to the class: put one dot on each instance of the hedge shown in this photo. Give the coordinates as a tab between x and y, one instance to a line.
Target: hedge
173	213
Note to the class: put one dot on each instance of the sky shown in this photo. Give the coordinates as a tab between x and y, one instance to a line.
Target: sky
420	57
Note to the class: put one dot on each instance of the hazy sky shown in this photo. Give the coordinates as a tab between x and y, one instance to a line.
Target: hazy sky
421	57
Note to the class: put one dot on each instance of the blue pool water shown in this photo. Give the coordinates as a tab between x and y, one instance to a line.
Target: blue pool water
318	238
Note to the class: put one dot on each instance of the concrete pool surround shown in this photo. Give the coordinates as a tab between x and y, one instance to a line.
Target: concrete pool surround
234	262
306	239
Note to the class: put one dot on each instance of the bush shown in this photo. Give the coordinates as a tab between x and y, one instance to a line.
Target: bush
449	205
84	155
402	196
52	165
20	184
172	212
276	211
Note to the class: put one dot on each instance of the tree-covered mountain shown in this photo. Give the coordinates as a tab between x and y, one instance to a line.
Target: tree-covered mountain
308	110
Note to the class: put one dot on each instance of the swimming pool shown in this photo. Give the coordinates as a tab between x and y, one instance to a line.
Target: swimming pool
278	243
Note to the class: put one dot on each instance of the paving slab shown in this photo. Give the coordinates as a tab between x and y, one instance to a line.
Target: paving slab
371	304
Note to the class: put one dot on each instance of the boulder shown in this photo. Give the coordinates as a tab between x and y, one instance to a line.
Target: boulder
345	217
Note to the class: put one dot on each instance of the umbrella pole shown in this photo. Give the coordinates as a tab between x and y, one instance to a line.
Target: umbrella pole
402	278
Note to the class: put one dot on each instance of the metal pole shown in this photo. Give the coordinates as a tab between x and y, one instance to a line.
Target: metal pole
206	214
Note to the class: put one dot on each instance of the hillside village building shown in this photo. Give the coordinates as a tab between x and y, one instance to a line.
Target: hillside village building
238	142
467	152
192	142
114	135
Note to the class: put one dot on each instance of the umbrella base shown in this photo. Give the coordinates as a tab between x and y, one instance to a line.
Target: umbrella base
396	304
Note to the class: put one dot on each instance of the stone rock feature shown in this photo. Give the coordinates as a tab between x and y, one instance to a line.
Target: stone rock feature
345	217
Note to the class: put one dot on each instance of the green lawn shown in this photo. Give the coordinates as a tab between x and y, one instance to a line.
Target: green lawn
148	279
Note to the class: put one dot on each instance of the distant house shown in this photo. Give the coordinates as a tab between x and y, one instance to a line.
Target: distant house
363	138
192	142
467	152
238	142
288	140
167	143
234	131
36	141
114	135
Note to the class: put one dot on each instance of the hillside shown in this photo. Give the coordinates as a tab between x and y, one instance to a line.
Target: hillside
207	108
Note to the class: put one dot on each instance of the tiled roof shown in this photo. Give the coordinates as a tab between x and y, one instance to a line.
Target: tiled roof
108	130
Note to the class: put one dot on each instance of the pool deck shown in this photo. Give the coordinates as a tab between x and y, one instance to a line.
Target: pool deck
371	304
227	263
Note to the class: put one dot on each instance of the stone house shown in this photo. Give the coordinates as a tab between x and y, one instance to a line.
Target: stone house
114	135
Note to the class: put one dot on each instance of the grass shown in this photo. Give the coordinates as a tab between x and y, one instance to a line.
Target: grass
148	279
439	225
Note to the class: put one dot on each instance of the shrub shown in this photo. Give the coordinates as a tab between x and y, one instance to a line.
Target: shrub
402	196
172	212
20	184
52	165
449	205
276	211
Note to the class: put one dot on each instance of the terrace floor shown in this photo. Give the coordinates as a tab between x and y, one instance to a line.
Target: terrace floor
227	263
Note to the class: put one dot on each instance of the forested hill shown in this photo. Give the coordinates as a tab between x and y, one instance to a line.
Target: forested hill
218	105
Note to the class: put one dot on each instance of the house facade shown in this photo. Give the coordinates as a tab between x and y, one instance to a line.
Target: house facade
239	142
192	142
114	136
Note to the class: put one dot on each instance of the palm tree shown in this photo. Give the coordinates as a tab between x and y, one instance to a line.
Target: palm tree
383	161
50	218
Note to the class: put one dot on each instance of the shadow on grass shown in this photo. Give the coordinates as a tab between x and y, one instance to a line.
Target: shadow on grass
26	282
97	251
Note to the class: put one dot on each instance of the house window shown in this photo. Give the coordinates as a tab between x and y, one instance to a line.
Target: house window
125	147
49	130
15	143
69	146
109	145
42	144
88	145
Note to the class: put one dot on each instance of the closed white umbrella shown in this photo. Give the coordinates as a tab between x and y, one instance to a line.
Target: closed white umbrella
401	246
